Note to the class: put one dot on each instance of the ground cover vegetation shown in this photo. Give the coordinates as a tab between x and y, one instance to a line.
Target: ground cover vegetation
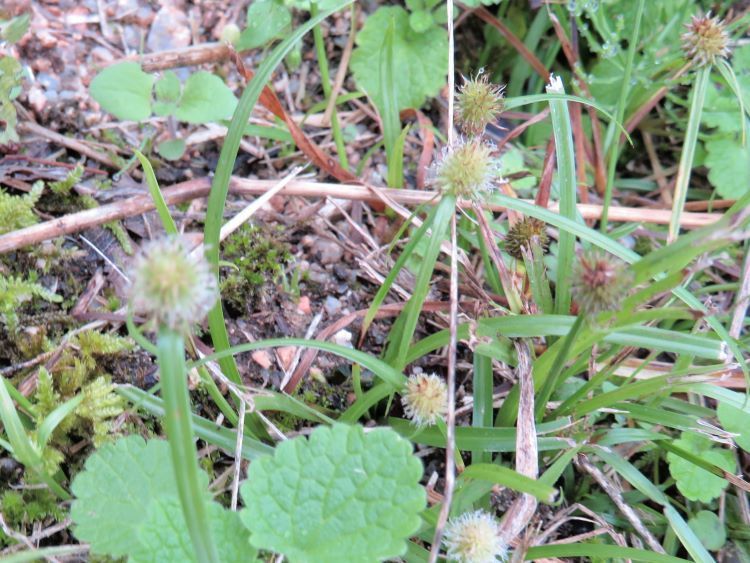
338	280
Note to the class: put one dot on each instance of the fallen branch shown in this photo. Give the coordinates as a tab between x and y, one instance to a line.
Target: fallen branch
193	189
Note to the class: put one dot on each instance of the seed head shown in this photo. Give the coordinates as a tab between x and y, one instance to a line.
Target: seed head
478	104
705	40
474	537
600	282
466	169
521	235
170	286
425	399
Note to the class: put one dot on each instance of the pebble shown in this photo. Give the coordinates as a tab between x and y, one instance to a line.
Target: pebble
332	306
329	251
343	338
304	305
169	30
262	358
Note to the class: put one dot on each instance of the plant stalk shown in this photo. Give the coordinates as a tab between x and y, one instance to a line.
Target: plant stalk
697	100
171	358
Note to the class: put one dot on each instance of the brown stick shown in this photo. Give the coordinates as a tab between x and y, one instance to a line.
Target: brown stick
200	187
186	56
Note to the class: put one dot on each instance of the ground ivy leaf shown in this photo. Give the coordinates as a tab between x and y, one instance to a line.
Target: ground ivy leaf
419	57
694	482
115	489
737	421
342	495
728	164
266	20
167	90
163	534
171	149
124	90
205	98
709	529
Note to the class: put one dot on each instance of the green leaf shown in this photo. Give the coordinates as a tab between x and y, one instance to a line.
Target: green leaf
266	20
116	489
421	21
737	421
163	535
205	98
124	90
419	57
13	30
694	482
342	495
508	478
167	90
728	164
171	149
709	529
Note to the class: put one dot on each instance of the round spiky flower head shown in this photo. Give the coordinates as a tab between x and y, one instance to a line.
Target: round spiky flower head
425	399
466	169
478	103
600	282
474	537
705	40
170	286
521	235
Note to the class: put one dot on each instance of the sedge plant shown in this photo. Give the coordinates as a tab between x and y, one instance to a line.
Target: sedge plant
176	291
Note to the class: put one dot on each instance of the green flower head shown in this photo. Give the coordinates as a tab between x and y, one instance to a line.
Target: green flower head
705	40
467	169
170	286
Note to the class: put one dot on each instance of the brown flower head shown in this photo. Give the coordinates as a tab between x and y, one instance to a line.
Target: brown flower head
705	40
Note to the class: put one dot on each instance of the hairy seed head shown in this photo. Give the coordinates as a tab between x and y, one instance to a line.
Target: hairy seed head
600	282
425	399
478	104
523	233
466	169
170	286
705	40
474	537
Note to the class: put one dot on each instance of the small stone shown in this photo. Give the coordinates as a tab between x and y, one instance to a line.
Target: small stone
284	356
328	251
169	30
342	338
332	305
262	358
37	99
304	305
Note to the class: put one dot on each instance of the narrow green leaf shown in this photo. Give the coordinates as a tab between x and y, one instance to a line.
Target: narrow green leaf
506	477
605	552
153	187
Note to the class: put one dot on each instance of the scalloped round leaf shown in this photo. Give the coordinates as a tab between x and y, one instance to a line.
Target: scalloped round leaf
419	57
205	98
163	535
171	149
694	482
124	90
266	20
737	421
709	529
728	163
343	495
115	489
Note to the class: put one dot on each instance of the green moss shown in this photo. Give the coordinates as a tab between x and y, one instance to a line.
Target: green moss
17	212
260	257
14	291
21	509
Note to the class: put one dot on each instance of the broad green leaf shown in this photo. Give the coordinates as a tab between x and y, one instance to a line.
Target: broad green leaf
342	495
737	421
419	57
124	90
163	535
205	98
709	529
171	149
694	482
115	490
266	20
167	92
421	21
728	164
